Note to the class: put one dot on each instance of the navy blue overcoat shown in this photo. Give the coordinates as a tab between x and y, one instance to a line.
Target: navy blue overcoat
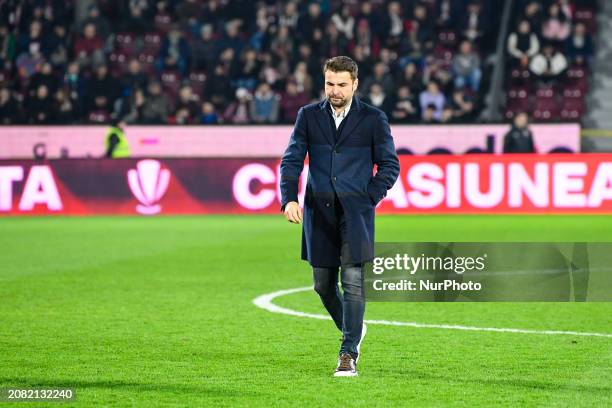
339	165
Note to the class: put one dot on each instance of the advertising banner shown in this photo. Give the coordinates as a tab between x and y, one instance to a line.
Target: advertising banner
24	142
478	183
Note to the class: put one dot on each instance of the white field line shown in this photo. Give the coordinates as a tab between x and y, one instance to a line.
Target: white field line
265	302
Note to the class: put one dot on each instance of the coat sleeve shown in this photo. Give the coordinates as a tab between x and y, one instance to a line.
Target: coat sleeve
385	159
292	162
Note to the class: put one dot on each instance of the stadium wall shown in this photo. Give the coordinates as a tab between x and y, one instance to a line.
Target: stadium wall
480	183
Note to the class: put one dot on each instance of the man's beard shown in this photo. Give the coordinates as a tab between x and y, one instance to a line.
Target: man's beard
340	104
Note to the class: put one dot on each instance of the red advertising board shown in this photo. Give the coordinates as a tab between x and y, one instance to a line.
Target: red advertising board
478	183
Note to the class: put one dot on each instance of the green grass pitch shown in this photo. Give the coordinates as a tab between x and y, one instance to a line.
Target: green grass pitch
133	311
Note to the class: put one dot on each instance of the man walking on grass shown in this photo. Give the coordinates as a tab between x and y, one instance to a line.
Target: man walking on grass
344	139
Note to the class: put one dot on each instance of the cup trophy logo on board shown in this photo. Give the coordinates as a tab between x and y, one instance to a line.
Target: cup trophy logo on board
148	182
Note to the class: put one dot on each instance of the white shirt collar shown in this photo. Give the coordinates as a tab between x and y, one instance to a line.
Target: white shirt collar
338	118
342	114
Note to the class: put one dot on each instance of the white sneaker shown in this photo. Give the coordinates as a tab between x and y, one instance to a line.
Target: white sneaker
346	366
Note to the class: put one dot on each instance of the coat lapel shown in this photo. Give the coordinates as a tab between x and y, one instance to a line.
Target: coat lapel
324	122
352	120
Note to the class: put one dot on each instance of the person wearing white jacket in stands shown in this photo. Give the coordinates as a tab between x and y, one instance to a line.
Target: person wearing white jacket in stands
548	64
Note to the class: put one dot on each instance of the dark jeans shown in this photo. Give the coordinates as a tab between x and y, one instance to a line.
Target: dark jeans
347	308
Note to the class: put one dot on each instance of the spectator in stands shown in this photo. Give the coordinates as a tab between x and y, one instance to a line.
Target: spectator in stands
302	78
209	115
365	39
579	46
474	23
181	117
43	77
462	107
218	87
187	102
548	64
231	38
8	46
174	52
344	21
437	70
445	10
203	49
137	20
313	67
40	107
227	59
447	115
88	48
9	107
271	72
156	108
214	13
466	67
404	107
519	139
188	13
291	101
30	61
364	62
432	102
290	16
247	70
423	25
134	78
264	106
523	44
428	114
259	38
129	108
282	44
533	14
36	12
411	78
102	90
60	13
388	57
333	42
58	47
238	111
162	18
74	85
392	25
557	25
369	18
376	96
411	47
64	108
33	36
381	76
310	26
101	24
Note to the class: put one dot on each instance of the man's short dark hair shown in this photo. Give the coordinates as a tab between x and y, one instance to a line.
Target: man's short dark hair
341	64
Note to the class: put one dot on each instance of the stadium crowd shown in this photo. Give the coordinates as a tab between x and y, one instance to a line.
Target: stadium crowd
242	62
549	52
